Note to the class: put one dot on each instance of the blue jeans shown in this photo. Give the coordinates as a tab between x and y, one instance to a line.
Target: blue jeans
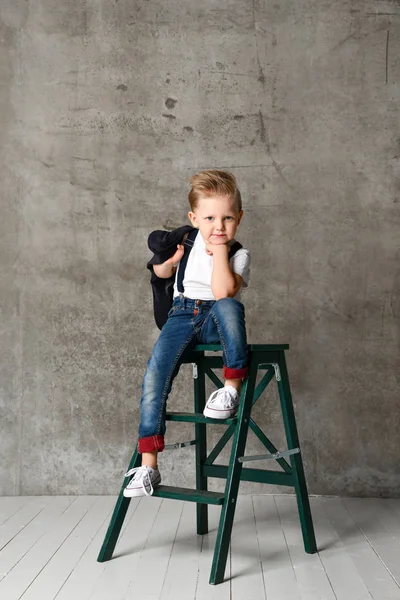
190	322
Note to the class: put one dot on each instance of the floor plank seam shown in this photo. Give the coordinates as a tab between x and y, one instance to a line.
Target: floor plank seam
372	547
128	589
172	549
286	542
108	515
259	549
58	548
377	553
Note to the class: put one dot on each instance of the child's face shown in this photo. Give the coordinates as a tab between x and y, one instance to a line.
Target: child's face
217	218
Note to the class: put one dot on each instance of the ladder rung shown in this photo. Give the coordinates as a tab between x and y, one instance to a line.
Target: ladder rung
197	418
188	494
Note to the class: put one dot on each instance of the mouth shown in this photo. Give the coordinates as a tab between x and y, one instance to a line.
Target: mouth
219	235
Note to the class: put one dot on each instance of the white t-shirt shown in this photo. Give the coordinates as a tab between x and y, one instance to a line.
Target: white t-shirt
199	267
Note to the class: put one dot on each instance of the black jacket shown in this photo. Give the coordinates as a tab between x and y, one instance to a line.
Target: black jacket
163	244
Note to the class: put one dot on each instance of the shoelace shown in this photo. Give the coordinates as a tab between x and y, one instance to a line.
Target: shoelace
142	472
227	400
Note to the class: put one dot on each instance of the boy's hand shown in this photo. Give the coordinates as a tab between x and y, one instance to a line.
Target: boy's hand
212	249
173	261
167	268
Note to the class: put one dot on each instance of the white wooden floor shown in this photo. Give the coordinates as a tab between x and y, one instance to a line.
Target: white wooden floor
49	545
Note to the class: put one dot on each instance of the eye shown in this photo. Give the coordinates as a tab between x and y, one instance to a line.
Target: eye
209	218
229	218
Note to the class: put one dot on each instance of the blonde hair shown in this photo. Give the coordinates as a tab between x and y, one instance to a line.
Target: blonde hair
212	182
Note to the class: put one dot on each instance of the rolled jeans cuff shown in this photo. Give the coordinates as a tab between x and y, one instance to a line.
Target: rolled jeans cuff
151	443
235	373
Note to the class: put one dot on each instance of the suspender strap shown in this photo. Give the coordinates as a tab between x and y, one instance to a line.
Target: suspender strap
234	248
188	245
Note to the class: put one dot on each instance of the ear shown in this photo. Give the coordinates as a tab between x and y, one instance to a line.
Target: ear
193	219
240	215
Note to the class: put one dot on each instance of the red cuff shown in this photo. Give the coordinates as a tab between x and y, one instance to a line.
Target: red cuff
149	444
235	373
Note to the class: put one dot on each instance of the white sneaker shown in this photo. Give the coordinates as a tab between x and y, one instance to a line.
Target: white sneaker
143	482
222	403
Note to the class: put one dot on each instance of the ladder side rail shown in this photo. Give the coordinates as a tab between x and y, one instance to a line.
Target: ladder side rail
296	461
233	474
118	516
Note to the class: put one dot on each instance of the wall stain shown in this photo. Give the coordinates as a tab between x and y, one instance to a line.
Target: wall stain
170	103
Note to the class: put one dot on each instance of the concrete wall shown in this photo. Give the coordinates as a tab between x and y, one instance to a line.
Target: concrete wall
106	108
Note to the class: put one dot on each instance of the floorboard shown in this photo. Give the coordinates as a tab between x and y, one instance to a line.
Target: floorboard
49	548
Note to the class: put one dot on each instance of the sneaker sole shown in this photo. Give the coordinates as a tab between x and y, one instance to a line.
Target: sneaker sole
134	493
219	414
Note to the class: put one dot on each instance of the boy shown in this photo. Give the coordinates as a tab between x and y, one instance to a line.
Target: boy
205	310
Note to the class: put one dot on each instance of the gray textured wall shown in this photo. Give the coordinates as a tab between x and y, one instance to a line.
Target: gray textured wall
106	108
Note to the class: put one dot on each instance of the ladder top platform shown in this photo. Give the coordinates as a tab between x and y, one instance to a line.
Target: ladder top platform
252	347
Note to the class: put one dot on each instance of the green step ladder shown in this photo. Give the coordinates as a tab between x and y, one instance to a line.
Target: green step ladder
261	357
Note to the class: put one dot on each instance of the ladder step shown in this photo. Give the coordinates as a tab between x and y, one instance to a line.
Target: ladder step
197	418
188	494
